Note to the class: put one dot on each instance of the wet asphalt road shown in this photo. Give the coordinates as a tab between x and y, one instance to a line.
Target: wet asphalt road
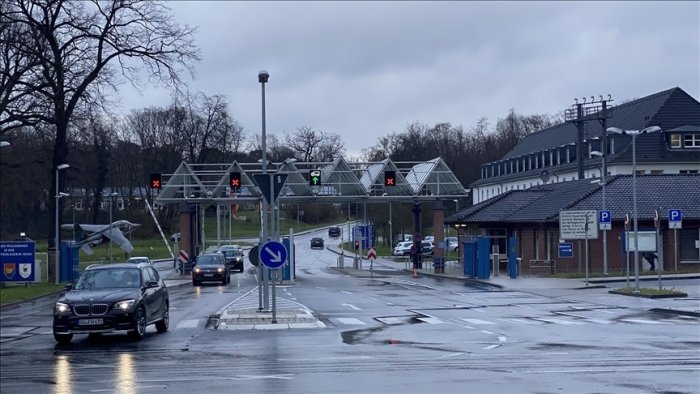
389	334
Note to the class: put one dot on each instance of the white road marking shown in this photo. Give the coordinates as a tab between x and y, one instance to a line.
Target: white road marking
350	320
491	347
488	332
390	320
431	320
452	355
193	323
478	321
352	307
345	292
642	321
523	321
502	338
558	321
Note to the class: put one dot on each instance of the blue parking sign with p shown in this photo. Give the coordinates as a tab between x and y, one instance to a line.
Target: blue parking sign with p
604	220
675	218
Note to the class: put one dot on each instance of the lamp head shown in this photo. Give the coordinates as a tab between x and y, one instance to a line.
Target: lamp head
651	129
62	166
263	76
62	194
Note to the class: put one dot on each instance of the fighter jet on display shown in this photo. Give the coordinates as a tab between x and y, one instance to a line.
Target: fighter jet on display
96	234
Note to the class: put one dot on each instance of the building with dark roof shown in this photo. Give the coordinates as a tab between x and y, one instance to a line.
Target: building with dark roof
551	155
560	169
532	217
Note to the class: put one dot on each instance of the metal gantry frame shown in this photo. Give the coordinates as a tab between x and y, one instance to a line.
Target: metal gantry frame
341	181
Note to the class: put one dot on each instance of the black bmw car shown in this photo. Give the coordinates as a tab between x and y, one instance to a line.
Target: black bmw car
115	297
210	267
316	243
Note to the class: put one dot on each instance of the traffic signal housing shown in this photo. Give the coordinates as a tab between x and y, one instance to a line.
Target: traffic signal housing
315	178
235	181
357	244
156	181
389	178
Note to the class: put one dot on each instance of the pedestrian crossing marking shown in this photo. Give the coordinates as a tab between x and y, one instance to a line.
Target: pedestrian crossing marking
523	321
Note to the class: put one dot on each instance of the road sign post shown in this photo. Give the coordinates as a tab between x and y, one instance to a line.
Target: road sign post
675	221
273	255
605	222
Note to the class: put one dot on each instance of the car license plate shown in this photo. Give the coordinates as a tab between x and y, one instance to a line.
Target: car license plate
208	275
90	322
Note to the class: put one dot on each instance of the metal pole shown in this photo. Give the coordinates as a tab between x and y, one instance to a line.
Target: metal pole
634	209
391	230
111	203
56	245
263	77
602	179
658	249
627	256
586	257
675	249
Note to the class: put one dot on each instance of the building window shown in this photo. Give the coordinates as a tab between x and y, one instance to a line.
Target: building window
676	141
691	141
657	172
688	171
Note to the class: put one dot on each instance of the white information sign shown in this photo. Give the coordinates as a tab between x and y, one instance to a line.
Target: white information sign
572	224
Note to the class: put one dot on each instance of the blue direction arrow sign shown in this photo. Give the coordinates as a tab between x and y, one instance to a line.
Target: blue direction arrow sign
604	220
273	254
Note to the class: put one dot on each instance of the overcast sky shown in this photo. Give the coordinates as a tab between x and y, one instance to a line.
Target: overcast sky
365	69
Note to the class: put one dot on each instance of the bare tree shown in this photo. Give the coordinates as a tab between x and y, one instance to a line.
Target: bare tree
314	145
81	47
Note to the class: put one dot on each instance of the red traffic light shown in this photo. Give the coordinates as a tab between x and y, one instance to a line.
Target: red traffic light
156	181
389	178
357	244
235	180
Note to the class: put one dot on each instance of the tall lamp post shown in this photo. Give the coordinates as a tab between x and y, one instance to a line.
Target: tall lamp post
634	133
263	77
57	239
111	203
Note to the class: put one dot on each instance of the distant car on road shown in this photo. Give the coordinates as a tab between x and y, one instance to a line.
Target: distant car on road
210	267
233	254
112	297
403	249
139	259
427	248
316	243
452	243
334	232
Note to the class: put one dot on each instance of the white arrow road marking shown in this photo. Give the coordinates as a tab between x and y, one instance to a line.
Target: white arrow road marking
352	306
276	257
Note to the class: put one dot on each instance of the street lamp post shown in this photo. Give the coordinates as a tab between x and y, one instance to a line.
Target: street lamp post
634	133
57	240
111	202
263	77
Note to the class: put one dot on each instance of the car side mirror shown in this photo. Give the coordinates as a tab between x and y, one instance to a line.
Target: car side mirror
151	284
69	287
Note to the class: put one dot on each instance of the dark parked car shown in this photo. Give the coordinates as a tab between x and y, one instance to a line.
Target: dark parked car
115	297
210	267
316	243
233	255
334	232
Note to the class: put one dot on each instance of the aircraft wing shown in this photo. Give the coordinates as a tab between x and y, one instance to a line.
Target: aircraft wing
99	233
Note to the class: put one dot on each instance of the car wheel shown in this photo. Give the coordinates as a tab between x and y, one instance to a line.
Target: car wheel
224	281
62	338
163	324
195	283
140	322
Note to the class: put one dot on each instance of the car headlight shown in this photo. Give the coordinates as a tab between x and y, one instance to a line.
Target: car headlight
62	308
196	269
125	305
220	269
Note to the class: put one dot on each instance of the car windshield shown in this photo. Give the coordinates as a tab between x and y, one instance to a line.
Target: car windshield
209	260
109	278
